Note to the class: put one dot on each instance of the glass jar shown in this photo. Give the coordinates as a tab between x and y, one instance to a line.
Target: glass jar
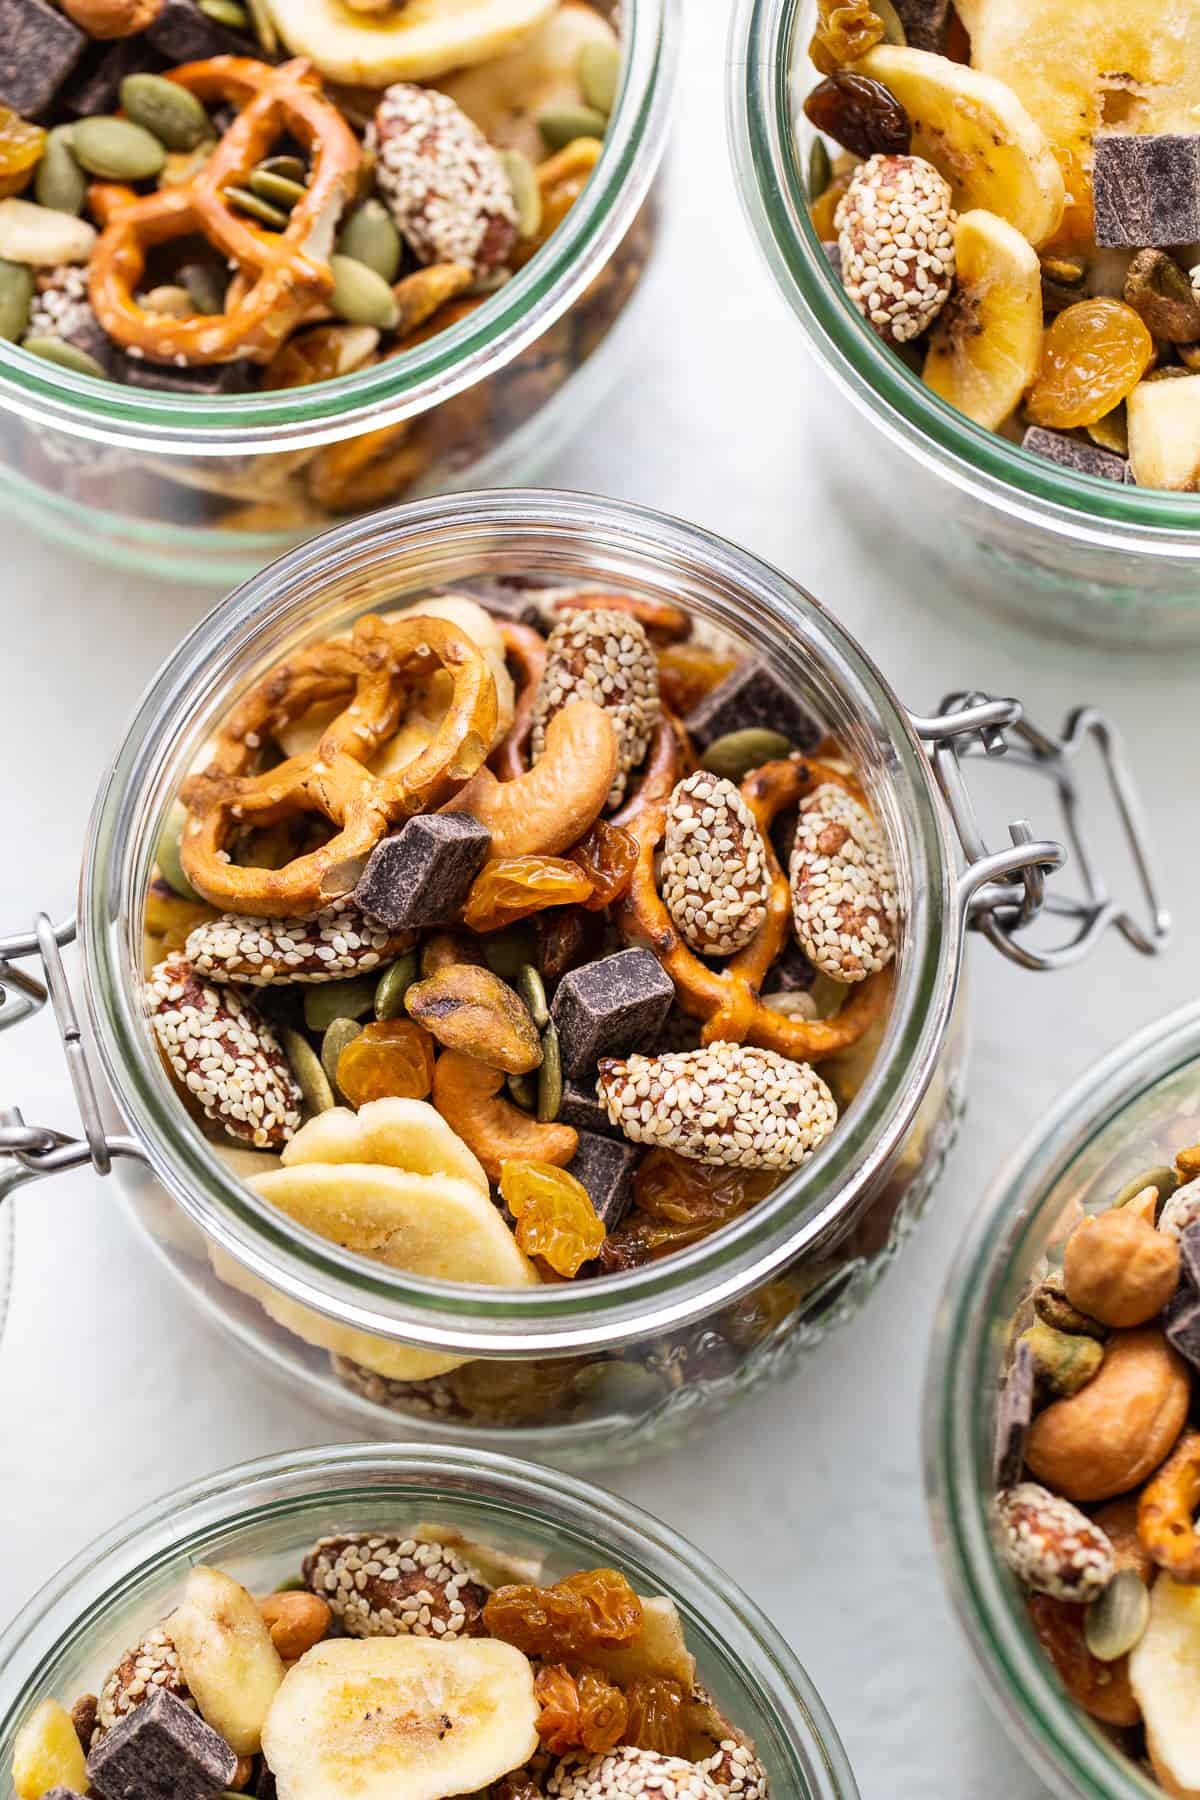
1134	1109
209	489
600	1368
1062	552
258	1520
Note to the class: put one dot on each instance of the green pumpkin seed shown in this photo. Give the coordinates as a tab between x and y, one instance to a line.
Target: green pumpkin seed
820	169
394	983
67	356
169	111
532	992
205	286
117	149
598	72
262	210
735	754
295	1584
60	183
527	195
893	28
360	294
315	1085
293	168
506	952
371	236
225	12
340	1033
16	298
166	854
618	1386
280	189
549	1076
1164	1179
167	302
561	125
264	25
829	996
1117	1617
330	1000
523	1090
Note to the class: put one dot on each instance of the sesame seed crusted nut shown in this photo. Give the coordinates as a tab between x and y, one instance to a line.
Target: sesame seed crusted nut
60	306
379	1586
895	226
443	181
843	887
714	875
1053	1547
224	1055
630	1774
603	656
729	1104
260	952
152	1664
736	1772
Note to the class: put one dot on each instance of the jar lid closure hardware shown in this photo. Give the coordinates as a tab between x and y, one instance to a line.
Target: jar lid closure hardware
1003	892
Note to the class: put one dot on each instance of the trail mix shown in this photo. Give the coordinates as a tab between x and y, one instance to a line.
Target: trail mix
507	934
414	1664
209	199
1098	1466
1014	207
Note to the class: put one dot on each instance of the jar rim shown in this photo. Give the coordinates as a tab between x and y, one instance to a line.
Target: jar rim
507	322
269	1486
1067	1752
761	105
804	1212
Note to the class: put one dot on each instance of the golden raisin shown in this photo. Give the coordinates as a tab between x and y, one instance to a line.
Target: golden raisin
579	1709
595	1609
320	355
1093	355
21	146
656	1715
389	1059
641	1240
513	887
555	1216
671	1187
513	1393
823	210
608	856
686	672
846	30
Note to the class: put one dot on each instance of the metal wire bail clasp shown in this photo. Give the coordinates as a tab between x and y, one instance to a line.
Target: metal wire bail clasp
1003	892
30	1151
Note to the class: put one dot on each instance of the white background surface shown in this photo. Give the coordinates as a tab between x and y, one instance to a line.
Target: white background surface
112	1390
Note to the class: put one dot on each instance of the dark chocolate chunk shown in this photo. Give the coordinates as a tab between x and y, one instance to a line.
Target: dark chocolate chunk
1181	1324
95	87
1014	1414
184	34
791	972
753	695
421	875
506	599
615	1004
162	1750
606	1171
582	1107
1189	1256
39	49
1147	189
240	377
924	22
1071	453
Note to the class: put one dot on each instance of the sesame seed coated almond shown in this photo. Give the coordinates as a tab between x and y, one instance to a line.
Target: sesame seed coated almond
1051	1545
444	182
895	226
630	1774
843	887
259	952
736	1772
606	657
381	1586
152	1664
714	875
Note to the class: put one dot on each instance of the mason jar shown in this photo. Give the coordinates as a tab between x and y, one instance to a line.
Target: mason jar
980	517
208	489
599	1368
256	1521
1133	1110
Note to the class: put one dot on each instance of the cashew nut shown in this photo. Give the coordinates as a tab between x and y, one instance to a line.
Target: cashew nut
546	810
1108	1437
467	1094
112	18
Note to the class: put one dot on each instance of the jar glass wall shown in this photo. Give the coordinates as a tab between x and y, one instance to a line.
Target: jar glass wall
1135	1109
209	489
258	1520
1073	554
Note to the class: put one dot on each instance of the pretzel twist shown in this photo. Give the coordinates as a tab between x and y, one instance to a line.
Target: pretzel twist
279	275
372	672
729	1000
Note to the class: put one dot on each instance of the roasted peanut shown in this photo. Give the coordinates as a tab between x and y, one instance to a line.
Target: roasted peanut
469	1009
1102	1689
1119	1269
1115	1432
296	1620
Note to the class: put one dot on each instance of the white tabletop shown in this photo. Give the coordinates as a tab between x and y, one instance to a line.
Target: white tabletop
112	1390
